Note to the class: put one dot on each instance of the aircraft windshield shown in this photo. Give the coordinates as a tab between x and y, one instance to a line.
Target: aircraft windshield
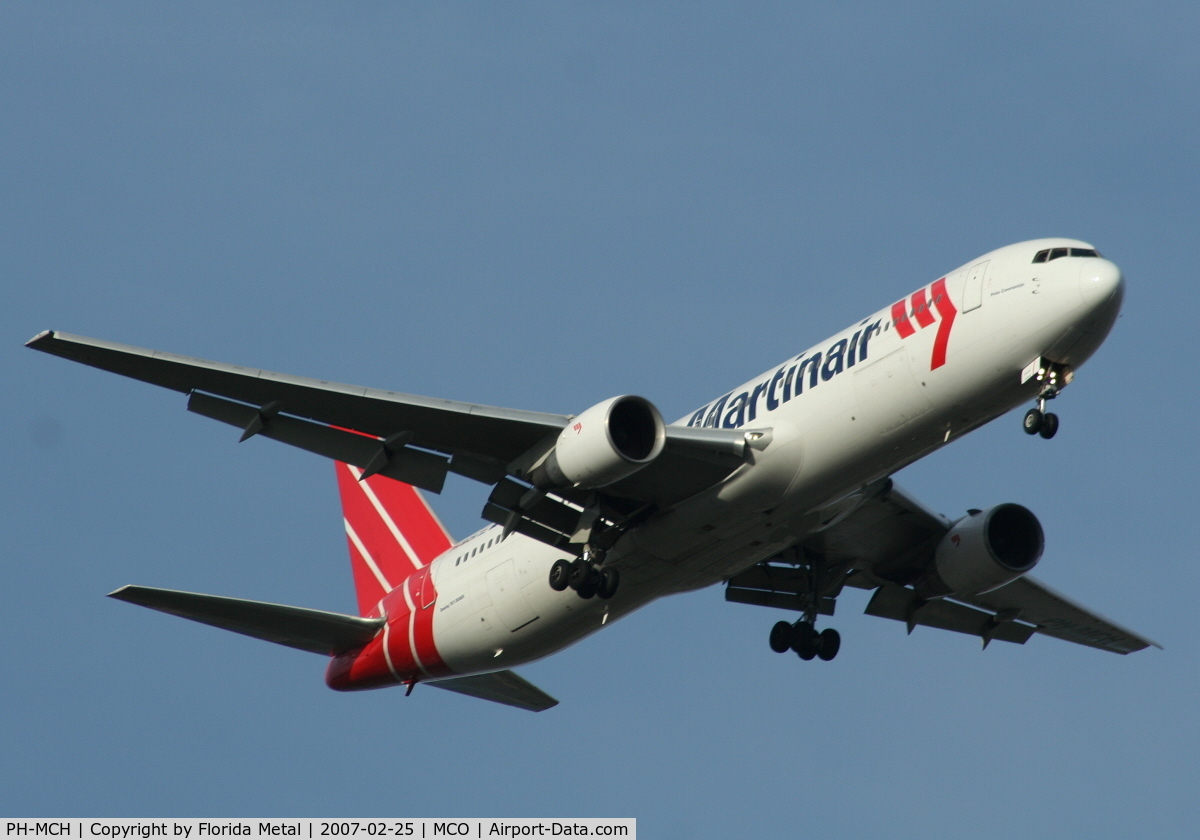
1054	253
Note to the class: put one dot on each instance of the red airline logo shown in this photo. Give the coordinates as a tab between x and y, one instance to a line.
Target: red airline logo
920	309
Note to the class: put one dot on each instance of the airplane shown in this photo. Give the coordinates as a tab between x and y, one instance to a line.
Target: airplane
780	488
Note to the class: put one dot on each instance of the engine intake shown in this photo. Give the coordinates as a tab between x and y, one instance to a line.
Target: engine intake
985	550
610	441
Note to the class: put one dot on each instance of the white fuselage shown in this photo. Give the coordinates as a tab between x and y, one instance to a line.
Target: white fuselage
852	409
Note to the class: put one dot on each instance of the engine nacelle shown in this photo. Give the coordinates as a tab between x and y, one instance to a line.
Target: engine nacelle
608	442
985	550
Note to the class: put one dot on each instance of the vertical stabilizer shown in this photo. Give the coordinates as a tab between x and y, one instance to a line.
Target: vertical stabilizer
391	531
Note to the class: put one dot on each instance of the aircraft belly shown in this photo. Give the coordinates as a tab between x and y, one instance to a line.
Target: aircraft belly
521	618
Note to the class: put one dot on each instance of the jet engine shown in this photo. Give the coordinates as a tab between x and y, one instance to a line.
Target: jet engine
608	442
985	550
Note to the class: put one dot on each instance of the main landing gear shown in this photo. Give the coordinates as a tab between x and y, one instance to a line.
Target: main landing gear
803	638
586	576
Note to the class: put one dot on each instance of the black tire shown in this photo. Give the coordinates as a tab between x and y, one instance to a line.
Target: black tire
560	575
781	637
587	589
805	641
1032	424
580	570
1049	426
610	579
830	644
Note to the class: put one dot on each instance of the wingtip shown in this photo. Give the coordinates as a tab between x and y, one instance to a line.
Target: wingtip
121	593
44	334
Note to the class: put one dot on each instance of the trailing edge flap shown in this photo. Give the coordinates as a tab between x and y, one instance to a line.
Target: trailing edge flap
902	604
1057	615
312	630
412	466
500	687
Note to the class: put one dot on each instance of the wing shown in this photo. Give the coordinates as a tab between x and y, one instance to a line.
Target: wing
411	438
883	539
1058	616
495	435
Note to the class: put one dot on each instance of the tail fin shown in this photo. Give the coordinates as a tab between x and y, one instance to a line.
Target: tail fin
391	532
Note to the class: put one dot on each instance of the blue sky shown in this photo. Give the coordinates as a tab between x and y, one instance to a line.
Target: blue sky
541	206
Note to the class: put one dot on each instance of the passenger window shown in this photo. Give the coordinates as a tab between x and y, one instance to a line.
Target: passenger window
1055	253
1041	255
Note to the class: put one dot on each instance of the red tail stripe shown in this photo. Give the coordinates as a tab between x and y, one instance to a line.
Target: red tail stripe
366	585
377	541
412	516
422	626
396	528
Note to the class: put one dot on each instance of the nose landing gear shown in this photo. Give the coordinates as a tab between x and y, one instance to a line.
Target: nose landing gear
1054	377
1039	422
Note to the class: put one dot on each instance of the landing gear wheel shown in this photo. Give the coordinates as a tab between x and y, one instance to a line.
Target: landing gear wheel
1049	426
609	580
781	637
1034	420
805	641
587	588
560	575
829	645
580	570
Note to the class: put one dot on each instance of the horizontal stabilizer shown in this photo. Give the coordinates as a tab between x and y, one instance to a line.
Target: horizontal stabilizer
312	630
500	687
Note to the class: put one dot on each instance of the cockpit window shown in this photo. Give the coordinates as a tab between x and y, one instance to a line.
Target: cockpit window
1054	253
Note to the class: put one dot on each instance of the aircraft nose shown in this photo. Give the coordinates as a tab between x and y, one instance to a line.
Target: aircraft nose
1100	283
